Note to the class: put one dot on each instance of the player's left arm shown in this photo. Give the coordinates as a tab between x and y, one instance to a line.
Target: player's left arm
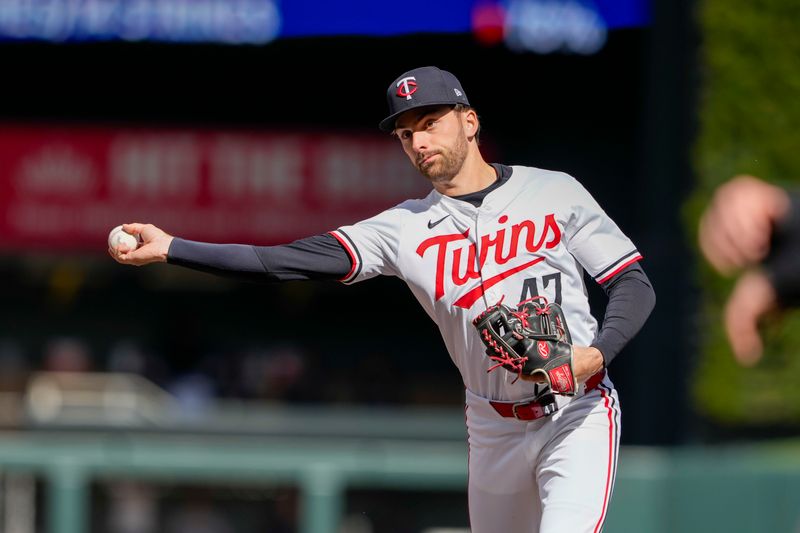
610	257
631	299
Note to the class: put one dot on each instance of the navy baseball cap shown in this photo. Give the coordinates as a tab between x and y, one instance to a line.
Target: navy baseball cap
421	87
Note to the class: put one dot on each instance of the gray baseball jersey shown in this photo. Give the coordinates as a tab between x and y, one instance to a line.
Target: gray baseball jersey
534	235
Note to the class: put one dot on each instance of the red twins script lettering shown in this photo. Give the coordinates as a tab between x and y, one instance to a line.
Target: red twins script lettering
462	258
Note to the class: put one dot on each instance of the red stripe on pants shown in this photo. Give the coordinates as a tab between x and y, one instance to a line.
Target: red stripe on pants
610	460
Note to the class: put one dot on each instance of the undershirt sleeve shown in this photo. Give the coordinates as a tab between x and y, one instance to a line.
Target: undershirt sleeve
631	298
320	257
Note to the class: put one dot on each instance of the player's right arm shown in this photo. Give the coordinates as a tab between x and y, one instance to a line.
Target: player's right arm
348	254
317	257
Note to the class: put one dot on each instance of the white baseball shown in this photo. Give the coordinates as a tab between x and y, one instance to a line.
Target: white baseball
118	237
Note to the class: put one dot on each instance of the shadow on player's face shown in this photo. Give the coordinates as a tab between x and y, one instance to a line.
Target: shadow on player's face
419	119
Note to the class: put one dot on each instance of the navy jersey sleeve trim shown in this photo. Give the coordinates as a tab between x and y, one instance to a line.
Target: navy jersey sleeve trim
352	251
618	266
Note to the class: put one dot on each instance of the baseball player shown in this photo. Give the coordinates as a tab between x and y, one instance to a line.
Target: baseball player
486	233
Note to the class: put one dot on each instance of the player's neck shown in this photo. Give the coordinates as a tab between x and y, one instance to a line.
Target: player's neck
475	175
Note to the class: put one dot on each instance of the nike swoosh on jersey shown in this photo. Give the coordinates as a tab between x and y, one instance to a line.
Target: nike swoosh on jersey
432	225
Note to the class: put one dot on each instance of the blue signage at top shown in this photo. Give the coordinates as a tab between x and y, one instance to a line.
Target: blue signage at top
261	21
371	17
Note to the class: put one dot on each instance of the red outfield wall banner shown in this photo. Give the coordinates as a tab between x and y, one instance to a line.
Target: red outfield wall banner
67	187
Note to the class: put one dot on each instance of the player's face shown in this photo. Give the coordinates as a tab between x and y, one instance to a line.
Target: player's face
435	141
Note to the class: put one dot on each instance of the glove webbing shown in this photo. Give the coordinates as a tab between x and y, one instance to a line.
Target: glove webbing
505	359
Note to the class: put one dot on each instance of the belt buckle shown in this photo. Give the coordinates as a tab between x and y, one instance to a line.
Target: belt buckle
544	405
536	410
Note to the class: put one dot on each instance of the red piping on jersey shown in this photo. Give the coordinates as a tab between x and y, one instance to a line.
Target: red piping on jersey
469	456
472	296
349	252
619	268
610	459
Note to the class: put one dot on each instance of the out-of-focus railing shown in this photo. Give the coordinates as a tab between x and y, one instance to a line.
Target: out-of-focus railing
103	401
733	489
324	451
71	429
321	468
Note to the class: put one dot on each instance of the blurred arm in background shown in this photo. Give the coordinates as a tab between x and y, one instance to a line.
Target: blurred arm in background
755	226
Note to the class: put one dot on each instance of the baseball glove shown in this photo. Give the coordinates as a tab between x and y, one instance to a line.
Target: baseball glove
529	340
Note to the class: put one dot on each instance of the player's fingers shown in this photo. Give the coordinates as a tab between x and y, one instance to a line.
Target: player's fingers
752	298
744	211
743	335
113	253
713	245
730	251
720	233
736	242
134	228
746	230
123	248
741	230
707	242
145	232
124	258
135	257
149	252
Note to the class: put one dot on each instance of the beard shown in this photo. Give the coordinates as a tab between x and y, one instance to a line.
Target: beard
448	162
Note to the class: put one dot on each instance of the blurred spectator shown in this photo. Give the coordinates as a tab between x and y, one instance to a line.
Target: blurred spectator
66	354
379	379
14	375
271	373
197	517
194	393
356	523
753	227
132	508
14	369
282	371
126	356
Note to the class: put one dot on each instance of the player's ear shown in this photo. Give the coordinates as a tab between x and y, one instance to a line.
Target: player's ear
471	123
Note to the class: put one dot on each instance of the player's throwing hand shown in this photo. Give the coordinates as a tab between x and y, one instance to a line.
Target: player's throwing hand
154	247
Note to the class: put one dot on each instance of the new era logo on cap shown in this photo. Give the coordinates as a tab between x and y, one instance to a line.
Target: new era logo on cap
423	86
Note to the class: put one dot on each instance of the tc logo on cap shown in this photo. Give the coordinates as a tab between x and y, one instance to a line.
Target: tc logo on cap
406	87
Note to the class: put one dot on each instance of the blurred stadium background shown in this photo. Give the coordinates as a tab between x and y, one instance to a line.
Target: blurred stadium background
162	400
